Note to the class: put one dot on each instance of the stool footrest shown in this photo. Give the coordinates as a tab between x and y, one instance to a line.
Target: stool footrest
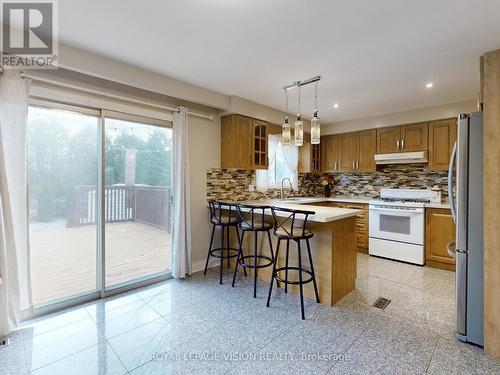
244	264
231	253
308	280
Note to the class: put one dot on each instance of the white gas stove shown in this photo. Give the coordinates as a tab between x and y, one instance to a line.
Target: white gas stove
396	225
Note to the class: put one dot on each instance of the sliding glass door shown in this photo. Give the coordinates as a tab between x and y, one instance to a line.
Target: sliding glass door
137	200
100	201
62	180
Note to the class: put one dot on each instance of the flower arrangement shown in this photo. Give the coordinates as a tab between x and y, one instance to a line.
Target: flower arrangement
327	181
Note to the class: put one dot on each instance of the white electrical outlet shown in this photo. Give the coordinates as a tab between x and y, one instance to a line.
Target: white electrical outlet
251	188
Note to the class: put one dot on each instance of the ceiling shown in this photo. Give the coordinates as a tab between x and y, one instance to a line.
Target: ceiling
374	56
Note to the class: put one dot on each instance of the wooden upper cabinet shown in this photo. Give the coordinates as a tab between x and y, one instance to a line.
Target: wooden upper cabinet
330	153
439	231
305	156
442	138
407	138
348	149
259	129
316	158
310	155
414	137
243	142
367	149
388	140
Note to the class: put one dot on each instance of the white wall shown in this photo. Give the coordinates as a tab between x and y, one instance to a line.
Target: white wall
99	66
261	112
204	147
402	117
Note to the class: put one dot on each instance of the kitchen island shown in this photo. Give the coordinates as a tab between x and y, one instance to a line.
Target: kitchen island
333	249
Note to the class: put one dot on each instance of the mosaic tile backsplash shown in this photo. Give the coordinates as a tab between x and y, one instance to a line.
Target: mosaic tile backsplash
232	184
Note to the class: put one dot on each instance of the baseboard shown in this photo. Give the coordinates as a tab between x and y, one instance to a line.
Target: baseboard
199	265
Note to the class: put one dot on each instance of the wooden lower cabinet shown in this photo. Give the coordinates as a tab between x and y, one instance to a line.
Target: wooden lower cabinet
439	231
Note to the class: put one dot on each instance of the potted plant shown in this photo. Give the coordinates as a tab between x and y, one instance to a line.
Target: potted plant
327	182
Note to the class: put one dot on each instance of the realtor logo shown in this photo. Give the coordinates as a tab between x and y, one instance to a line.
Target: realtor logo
29	34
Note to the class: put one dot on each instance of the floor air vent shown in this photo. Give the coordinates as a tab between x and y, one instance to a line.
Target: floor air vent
381	303
4	342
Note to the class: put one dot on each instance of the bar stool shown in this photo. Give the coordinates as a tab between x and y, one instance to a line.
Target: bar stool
252	219
223	215
290	225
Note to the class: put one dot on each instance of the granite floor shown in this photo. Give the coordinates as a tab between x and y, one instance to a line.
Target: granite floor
196	326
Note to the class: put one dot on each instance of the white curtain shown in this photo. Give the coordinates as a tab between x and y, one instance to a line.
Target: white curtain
278	154
15	293
291	155
182	218
263	175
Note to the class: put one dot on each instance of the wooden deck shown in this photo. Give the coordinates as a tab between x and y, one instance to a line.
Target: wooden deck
63	260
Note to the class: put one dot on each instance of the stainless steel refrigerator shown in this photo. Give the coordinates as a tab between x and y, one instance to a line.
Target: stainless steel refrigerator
467	211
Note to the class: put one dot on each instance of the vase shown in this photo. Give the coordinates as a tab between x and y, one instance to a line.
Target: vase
328	191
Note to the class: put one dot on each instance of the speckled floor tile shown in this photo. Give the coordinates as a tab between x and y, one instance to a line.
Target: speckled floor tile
13	359
388	346
52	346
122	319
137	346
98	359
196	326
51	322
454	357
215	352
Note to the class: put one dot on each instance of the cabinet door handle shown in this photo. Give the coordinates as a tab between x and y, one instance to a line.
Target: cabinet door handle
353	165
336	166
357	164
402	144
397	144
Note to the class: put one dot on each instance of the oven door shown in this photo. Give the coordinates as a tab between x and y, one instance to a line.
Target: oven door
397	224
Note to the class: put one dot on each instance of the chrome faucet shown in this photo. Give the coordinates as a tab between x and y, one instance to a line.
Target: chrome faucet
282	193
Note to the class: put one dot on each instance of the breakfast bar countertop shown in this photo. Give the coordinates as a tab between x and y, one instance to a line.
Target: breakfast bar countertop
322	214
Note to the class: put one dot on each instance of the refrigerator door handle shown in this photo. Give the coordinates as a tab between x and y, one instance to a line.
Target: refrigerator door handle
451	253
461	292
450	183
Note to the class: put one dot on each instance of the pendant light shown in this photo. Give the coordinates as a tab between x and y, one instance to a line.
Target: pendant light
286	134
315	124
298	128
298	132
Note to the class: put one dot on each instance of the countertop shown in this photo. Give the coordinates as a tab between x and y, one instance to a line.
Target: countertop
438	205
355	199
321	214
325	214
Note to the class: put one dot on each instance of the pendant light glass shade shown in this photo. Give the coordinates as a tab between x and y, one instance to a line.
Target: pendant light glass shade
298	131
286	132
315	129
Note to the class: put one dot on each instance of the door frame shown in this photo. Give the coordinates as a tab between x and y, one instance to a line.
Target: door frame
100	291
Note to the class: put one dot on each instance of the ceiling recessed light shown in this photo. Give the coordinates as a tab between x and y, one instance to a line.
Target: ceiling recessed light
429	85
336	105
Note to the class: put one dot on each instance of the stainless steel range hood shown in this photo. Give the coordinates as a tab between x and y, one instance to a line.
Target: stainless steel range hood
402	158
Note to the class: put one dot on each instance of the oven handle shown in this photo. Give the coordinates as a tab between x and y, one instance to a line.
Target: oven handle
399	212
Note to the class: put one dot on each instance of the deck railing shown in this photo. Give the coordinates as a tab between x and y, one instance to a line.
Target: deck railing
150	205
